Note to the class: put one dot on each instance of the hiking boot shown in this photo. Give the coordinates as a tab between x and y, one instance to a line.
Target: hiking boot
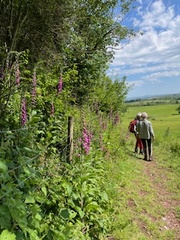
135	151
141	152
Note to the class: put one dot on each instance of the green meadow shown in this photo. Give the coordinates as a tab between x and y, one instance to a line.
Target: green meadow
165	119
136	187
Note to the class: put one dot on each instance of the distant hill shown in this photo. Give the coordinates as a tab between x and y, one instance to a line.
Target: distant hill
146	97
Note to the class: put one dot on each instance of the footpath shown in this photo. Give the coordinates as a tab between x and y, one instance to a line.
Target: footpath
158	178
147	204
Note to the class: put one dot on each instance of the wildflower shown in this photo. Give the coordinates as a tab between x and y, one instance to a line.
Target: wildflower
86	141
23	112
116	120
59	87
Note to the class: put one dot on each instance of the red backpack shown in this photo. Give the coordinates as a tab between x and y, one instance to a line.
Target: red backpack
132	126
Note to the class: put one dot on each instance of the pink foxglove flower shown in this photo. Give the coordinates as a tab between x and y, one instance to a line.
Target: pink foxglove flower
60	84
116	120
23	112
86	140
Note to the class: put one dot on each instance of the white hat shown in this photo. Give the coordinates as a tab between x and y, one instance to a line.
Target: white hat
144	115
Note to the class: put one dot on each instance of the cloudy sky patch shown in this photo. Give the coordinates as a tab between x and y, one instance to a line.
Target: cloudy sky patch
154	56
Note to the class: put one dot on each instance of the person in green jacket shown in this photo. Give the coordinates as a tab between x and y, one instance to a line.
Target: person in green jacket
146	134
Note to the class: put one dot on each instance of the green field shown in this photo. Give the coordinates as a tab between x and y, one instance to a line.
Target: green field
165	119
141	200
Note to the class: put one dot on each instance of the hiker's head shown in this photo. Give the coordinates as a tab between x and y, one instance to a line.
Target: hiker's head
144	115
138	116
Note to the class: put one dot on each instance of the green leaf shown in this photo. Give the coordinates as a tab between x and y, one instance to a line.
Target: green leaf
64	213
6	235
5	217
44	190
81	213
92	206
72	214
3	167
17	209
38	217
104	197
28	149
29	199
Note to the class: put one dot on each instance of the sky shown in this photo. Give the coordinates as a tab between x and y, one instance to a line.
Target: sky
151	61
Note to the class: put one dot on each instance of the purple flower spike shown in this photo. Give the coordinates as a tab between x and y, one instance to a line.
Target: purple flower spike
17	74
87	136
60	85
23	113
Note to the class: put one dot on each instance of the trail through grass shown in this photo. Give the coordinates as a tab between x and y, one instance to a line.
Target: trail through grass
146	198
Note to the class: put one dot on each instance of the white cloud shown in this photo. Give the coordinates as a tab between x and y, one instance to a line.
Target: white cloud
157	52
156	15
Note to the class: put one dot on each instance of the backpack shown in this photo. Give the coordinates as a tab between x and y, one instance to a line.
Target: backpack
132	126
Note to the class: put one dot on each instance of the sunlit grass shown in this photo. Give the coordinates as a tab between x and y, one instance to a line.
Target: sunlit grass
165	119
137	212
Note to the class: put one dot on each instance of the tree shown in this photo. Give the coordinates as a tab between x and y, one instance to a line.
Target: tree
178	109
65	35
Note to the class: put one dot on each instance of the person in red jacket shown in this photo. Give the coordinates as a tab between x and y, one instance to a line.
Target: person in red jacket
133	129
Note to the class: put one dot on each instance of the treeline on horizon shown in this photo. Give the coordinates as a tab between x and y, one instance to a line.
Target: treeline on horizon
171	98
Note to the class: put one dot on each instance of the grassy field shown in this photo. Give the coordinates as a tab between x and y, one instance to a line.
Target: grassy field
165	119
145	195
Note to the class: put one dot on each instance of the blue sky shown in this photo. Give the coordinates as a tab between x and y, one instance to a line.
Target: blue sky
151	61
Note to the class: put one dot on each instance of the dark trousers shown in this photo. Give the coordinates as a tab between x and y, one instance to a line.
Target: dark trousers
147	145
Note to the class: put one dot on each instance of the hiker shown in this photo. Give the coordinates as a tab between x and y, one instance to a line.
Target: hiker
133	129
146	134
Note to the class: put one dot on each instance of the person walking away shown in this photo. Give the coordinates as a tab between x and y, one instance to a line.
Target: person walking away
133	129
146	134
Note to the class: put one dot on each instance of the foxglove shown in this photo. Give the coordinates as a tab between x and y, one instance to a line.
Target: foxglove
86	140
60	84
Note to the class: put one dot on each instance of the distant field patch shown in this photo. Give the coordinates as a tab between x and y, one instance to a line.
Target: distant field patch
165	119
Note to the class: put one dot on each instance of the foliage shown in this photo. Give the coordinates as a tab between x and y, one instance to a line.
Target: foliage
64	36
110	95
41	196
44	197
52	65
178	109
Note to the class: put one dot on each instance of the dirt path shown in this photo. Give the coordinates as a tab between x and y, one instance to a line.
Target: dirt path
158	177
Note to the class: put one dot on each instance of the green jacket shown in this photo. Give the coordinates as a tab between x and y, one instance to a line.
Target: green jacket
145	129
